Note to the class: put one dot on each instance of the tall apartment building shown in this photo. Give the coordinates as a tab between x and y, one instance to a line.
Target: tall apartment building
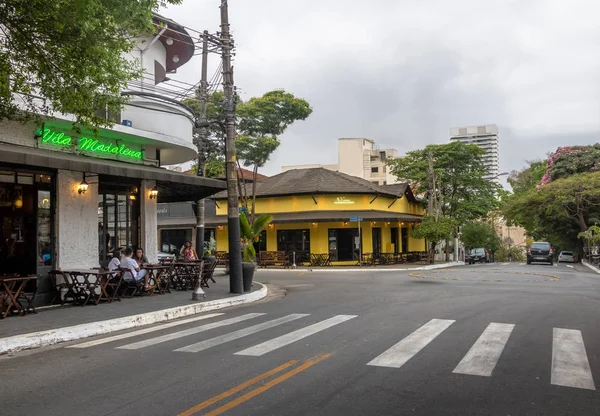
485	137
359	157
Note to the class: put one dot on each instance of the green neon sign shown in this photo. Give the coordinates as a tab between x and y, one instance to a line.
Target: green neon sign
86	144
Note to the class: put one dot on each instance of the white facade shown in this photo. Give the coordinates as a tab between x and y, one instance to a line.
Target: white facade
58	224
485	137
360	157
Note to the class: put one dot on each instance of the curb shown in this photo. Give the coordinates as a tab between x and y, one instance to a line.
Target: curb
71	333
589	266
368	269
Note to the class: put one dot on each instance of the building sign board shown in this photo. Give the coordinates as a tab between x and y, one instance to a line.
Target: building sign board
55	140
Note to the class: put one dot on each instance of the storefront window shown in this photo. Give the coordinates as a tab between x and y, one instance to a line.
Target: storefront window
293	241
173	240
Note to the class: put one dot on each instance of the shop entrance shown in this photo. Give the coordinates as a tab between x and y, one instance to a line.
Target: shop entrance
26	223
118	220
343	244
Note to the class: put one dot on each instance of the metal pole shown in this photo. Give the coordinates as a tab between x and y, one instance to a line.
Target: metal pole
359	245
233	215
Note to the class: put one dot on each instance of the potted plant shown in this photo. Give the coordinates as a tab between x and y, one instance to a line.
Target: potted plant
249	234
209	250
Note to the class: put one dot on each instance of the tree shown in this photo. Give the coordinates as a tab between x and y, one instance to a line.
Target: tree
570	160
73	54
260	121
528	178
476	234
251	232
461	191
434	230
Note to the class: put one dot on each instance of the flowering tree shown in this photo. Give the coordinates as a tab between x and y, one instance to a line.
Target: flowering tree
570	160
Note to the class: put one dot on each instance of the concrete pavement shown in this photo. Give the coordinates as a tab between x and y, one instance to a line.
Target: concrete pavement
484	340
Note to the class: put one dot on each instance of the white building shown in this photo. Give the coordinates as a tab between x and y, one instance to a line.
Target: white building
485	137
67	198
359	157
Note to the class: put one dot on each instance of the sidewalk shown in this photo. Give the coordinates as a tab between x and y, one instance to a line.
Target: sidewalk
384	268
56	324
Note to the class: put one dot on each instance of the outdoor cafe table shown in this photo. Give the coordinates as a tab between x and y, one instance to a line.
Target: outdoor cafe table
158	277
10	289
82	289
186	274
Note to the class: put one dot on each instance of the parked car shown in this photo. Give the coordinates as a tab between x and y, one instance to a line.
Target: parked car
540	252
478	255
162	256
566	257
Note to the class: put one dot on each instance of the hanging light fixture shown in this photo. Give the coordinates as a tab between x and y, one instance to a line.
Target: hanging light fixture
169	41
83	186
175	58
154	193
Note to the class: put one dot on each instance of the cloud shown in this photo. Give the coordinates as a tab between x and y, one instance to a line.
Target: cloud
404	72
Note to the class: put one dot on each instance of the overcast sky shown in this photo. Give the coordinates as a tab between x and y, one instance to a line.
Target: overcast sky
404	71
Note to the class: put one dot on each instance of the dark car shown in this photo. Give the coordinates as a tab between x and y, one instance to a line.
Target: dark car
540	252
478	255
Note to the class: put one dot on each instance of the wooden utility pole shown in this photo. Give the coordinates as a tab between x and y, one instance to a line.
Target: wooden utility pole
233	215
201	144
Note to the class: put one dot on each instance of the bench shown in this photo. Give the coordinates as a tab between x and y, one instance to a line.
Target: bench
222	258
274	258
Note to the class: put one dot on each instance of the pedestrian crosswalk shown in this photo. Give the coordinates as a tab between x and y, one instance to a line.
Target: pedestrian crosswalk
569	367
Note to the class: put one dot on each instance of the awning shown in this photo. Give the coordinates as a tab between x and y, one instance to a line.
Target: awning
310	216
172	186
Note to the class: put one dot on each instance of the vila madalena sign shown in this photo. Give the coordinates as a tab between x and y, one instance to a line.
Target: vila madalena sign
87	144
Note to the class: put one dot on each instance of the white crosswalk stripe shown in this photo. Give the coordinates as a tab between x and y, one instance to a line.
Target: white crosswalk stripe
209	343
403	351
570	366
294	336
187	332
143	331
484	354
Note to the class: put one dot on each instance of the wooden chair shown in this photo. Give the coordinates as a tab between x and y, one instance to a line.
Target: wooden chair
208	269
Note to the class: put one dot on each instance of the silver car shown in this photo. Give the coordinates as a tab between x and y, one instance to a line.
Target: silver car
566	257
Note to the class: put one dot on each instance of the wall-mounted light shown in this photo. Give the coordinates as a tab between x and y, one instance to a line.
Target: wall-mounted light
154	193
133	193
220	227
175	58
314	224
83	186
169	41
270	225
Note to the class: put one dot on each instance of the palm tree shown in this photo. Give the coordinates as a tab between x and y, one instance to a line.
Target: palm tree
250	233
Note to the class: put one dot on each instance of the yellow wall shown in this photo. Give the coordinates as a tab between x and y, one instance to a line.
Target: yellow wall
329	203
319	234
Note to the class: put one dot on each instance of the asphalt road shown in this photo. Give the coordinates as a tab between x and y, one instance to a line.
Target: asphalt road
494	339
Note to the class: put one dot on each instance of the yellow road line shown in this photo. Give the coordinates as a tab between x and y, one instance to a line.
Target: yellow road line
236	389
267	386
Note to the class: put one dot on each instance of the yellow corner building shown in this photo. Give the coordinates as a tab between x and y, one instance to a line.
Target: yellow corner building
315	211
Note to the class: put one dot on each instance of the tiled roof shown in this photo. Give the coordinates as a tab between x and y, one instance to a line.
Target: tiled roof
322	181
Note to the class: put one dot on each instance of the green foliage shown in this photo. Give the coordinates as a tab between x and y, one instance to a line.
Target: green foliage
255	151
591	235
434	230
517	254
73	53
528	178
251	232
461	190
558	211
476	234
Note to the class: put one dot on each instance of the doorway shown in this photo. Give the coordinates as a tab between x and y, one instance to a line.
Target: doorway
394	238
118	220
343	244
404	233
376	241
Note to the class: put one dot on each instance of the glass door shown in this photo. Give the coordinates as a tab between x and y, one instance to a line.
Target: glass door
117	222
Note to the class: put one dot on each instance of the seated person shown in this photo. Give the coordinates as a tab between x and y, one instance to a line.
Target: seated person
127	262
115	262
140	257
